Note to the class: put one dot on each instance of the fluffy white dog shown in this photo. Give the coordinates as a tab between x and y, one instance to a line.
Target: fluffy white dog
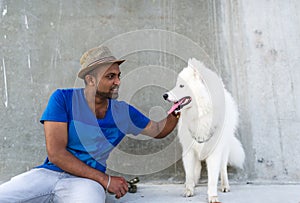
201	121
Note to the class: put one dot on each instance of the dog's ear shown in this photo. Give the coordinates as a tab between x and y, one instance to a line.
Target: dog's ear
194	65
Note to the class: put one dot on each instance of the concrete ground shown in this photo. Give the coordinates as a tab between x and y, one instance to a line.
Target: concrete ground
252	193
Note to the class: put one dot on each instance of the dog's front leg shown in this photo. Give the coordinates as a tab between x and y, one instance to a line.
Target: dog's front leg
189	160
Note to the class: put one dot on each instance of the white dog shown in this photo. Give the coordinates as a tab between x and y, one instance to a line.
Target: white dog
196	123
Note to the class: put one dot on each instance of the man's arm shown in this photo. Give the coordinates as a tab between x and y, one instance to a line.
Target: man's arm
162	128
56	135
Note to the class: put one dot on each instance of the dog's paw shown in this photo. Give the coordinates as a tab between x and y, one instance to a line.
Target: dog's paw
225	189
213	199
188	193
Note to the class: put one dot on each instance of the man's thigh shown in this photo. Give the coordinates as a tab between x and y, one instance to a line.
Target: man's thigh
75	189
33	186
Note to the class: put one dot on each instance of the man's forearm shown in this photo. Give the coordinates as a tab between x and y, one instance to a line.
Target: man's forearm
162	128
69	163
169	124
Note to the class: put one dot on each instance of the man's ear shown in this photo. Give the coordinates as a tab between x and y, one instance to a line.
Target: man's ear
90	80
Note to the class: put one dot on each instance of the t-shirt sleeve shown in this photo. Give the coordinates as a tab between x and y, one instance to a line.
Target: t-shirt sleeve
56	108
139	121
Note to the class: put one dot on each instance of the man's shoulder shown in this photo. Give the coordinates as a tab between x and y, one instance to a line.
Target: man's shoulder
67	91
123	106
66	94
118	103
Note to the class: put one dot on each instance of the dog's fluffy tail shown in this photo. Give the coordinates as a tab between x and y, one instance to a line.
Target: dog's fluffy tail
236	154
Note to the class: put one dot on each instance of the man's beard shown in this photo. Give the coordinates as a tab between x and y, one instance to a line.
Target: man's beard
108	95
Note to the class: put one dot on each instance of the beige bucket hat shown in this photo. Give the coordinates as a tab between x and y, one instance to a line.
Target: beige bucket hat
94	57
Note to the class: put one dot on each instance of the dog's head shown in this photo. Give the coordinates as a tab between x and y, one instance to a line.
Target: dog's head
189	83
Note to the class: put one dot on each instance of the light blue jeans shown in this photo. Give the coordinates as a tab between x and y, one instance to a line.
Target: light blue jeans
43	185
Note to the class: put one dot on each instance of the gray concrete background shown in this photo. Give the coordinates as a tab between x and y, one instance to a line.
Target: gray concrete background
253	44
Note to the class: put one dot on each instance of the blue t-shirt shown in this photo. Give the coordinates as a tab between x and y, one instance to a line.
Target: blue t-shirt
90	139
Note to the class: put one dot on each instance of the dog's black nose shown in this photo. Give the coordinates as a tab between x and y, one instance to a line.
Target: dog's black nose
165	96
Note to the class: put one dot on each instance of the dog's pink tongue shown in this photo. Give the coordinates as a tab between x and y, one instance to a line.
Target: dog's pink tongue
175	106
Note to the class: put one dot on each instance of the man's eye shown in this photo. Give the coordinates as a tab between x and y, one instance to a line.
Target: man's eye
181	86
110	76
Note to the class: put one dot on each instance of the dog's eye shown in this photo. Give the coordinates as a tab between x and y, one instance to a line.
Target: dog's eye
181	86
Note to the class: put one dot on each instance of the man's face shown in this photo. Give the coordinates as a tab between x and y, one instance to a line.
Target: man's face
109	82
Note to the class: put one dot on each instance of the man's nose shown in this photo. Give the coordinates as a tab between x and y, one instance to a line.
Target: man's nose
165	96
117	81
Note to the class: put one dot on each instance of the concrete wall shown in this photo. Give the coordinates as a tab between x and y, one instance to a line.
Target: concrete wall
260	40
257	56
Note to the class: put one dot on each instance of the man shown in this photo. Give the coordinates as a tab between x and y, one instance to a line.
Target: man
82	126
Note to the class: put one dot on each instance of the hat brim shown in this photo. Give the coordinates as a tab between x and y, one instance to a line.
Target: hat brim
83	72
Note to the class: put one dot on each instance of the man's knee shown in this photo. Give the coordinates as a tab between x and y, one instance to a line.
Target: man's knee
79	190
